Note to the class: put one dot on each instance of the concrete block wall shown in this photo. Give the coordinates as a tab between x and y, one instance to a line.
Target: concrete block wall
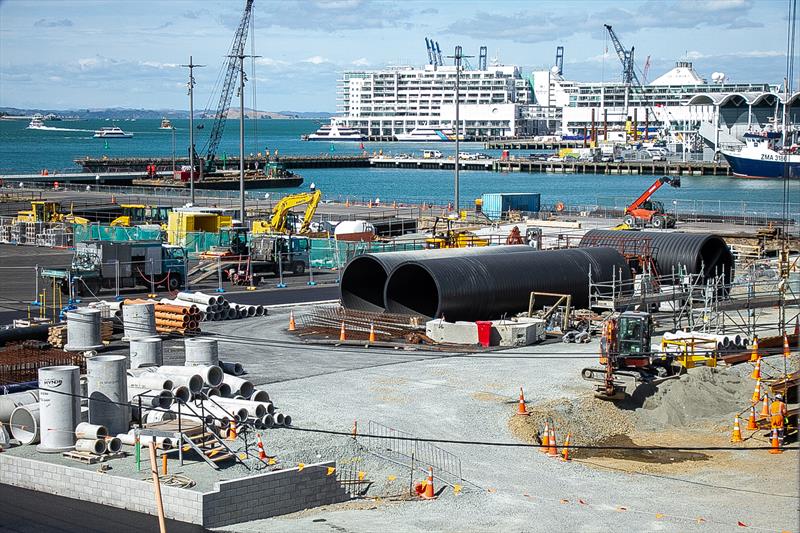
237	500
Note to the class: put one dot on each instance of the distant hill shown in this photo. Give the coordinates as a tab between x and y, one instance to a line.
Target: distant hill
119	113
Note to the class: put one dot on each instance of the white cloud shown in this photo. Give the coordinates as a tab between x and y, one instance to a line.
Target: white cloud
316	60
361	62
159	65
270	62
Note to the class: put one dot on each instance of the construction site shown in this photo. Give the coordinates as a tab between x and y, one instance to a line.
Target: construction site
358	366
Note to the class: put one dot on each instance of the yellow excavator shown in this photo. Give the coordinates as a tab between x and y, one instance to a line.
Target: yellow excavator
43	211
280	221
133	214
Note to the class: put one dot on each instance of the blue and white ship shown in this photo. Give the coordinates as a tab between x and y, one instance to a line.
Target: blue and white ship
758	159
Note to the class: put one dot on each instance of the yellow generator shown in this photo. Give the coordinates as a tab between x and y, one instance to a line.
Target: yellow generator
181	224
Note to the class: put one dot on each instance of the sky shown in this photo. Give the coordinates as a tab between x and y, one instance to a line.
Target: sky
71	54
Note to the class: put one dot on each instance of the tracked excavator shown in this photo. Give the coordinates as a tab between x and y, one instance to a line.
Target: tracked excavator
281	220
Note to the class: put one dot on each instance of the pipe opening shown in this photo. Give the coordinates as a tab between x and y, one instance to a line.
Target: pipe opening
362	285
412	290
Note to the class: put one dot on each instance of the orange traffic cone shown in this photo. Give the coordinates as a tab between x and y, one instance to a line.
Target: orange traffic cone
113	200
786	351
521	406
756	392
765	407
776	445
292	325
737	431
261	453
429	493
369	205
394	205
565	449
754	355
232	430
552	451
372	333
751	421
355	428
545	437
342	334
756	370
347	202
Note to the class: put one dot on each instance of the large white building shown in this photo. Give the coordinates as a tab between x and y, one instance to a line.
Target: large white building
394	102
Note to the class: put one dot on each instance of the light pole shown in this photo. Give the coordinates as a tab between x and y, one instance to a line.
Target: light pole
173	151
191	66
242	77
457	57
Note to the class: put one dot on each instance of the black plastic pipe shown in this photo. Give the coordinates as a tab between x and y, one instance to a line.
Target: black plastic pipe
490	286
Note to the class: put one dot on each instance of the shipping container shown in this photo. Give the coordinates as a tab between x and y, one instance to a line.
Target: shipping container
497	205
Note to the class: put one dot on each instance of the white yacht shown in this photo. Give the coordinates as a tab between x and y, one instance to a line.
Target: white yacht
37	123
335	132
113	132
165	124
427	135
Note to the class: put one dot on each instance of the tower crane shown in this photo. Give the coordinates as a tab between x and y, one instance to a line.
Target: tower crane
560	59
229	79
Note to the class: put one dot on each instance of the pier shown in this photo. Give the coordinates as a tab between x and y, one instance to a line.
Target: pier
530	144
683	168
165	164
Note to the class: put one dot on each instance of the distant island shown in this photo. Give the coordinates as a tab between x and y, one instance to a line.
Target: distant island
119	113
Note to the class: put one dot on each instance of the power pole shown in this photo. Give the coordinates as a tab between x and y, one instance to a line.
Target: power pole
191	66
242	77
457	57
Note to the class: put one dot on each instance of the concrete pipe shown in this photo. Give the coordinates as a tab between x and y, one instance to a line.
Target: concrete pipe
153	381
24	424
113	444
225	390
238	397
287	420
254	409
84	430
153	416
147	351
201	351
208	392
221	412
139	321
95	446
83	330
261	310
193	383
211	375
258	423
279	419
9	402
108	397
259	396
251	310
160	399
197	297
182	393
242	386
268	421
222	422
234	369
201	316
129	439
59	407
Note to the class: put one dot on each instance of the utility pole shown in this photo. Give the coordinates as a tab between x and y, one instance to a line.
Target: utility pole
191	66
457	57
242	77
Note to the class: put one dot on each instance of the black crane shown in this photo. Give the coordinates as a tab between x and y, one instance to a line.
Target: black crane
229	78
626	57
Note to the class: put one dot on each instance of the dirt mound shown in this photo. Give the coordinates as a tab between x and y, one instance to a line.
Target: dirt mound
702	396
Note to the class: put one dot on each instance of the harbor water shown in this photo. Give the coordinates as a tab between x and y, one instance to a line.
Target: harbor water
29	151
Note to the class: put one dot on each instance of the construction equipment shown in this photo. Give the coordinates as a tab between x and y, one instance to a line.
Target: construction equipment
452	238
99	265
44	211
560	60
282	219
135	214
270	255
646	212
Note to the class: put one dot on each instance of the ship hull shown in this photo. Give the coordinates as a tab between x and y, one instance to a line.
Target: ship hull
747	167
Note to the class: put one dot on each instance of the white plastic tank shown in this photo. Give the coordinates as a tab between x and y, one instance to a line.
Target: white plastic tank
83	330
108	392
139	321
201	351
59	407
354	230
147	351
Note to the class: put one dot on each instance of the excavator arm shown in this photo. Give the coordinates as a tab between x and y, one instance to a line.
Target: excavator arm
675	182
281	210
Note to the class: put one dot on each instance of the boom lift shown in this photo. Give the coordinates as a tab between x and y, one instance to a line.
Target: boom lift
280	221
647	212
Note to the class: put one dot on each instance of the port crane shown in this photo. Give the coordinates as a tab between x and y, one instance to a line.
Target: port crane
228	82
560	59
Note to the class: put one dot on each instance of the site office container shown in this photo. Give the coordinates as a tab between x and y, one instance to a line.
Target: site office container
495	205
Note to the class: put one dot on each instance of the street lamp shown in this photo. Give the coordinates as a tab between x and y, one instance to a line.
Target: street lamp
457	57
191	66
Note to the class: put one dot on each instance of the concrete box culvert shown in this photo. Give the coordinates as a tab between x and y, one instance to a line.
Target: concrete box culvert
85	430
24	424
83	330
59	407
201	351
107	388
94	446
147	351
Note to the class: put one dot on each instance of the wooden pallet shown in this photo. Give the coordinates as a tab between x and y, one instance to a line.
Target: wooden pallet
90	458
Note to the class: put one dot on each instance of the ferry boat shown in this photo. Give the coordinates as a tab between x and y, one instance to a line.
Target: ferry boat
759	159
113	132
427	135
165	124
335	132
37	123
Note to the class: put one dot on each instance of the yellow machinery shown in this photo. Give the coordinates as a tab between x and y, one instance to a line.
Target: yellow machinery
43	211
452	238
133	214
182	224
279	222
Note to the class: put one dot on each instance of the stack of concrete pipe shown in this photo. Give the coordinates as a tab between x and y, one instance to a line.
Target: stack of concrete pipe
707	342
215	307
94	439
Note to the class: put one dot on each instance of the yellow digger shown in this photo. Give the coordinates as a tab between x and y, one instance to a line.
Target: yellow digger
133	214
44	211
281	219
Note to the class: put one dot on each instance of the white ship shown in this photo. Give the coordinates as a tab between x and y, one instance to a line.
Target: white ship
165	124
37	123
427	135
335	132
758	158
113	132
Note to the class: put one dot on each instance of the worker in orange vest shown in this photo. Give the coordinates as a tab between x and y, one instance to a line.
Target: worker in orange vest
777	412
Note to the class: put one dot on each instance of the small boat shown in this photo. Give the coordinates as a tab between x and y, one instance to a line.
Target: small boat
37	122
335	132
427	134
165	124
113	132
758	159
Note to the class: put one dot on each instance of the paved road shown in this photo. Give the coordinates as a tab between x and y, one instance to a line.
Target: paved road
27	511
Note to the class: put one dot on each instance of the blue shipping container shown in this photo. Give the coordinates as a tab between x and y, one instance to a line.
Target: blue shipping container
497	203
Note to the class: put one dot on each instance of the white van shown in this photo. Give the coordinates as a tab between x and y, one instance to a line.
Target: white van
431	154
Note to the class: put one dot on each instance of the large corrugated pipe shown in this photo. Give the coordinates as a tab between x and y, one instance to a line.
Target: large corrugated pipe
479	287
699	253
364	278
